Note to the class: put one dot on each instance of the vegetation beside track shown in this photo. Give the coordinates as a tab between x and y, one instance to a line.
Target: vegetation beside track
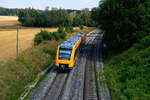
16	74
127	36
128	73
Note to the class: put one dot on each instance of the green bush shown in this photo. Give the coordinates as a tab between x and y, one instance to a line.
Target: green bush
81	27
62	35
38	39
61	32
69	29
145	41
56	36
50	36
60	29
42	35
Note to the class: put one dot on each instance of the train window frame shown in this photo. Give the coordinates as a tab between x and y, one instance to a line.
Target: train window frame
63	49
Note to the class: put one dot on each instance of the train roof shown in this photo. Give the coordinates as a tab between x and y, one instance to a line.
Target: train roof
71	42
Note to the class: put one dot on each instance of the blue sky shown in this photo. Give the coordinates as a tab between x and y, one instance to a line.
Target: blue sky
41	4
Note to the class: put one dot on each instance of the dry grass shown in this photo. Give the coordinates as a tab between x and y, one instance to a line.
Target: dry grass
8	22
8	37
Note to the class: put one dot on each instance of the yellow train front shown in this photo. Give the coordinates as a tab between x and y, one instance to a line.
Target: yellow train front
68	52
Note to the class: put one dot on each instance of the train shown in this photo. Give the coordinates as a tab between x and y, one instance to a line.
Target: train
68	52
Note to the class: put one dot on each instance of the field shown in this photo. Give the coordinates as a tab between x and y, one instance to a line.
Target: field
8	33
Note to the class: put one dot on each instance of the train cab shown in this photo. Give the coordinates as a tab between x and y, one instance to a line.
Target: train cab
68	52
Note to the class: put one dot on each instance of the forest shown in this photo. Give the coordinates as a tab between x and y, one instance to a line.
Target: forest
55	17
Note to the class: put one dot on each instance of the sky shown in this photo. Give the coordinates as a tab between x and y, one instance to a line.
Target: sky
41	4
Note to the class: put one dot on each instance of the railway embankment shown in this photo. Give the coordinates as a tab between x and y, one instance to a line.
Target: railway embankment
127	73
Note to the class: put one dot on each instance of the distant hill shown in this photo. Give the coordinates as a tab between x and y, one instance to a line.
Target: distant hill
15	12
70	10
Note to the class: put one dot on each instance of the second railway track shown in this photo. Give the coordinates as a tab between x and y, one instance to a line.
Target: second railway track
56	88
91	84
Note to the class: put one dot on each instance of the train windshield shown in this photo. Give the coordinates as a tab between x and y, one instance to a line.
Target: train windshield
65	53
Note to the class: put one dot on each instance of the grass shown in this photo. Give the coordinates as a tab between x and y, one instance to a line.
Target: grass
16	74
128	73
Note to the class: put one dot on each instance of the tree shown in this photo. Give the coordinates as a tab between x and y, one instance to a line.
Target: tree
85	16
9	12
72	15
28	17
95	15
77	20
125	21
54	18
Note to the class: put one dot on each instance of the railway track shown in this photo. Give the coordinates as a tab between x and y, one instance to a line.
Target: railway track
56	89
82	82
91	84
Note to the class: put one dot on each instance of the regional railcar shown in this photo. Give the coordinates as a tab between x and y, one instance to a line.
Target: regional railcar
68	52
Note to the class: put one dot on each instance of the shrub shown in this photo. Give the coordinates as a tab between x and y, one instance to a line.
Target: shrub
44	34
38	39
61	32
62	35
69	29
145	41
56	36
50	36
81	27
60	29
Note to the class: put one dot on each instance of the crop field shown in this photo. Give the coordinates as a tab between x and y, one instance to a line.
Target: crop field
8	34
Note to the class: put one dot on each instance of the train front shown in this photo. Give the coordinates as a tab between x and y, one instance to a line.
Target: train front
67	51
63	58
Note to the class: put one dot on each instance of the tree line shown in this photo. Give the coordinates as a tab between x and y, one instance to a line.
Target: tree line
55	17
9	12
15	11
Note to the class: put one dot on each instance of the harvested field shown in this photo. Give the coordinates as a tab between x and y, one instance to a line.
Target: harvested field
7	22
8	33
